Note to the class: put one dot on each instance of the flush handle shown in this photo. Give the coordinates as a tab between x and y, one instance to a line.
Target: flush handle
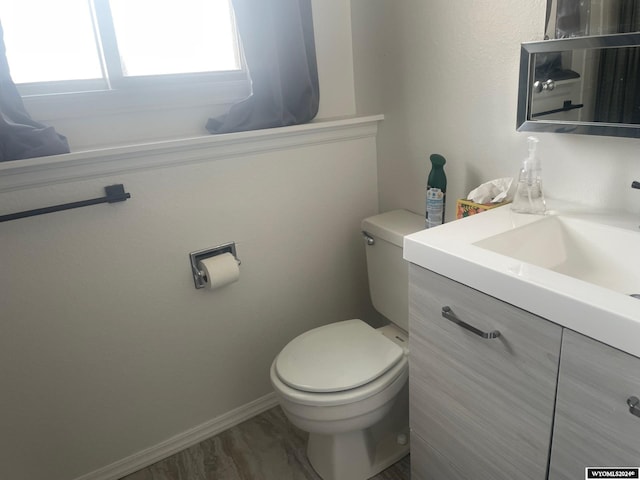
634	406
449	315
370	240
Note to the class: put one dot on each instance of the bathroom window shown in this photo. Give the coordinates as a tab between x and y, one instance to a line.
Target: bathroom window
89	45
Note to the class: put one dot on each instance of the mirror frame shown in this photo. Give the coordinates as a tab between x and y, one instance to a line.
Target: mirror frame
525	88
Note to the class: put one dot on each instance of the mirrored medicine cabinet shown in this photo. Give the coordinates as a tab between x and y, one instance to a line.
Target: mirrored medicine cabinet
587	80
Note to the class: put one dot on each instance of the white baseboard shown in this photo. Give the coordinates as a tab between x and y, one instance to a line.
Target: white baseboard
181	441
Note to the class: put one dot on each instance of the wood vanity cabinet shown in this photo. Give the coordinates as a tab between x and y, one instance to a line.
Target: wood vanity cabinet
481	408
594	426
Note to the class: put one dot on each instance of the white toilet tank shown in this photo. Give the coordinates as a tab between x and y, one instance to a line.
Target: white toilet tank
388	271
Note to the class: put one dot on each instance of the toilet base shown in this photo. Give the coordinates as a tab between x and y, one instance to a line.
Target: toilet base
362	454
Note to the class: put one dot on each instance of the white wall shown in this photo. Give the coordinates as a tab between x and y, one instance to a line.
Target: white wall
445	75
332	28
106	348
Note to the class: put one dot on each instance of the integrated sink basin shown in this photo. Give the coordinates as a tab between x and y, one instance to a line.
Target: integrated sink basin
599	254
577	266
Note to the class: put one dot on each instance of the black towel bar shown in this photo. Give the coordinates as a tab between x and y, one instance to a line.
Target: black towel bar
567	106
114	193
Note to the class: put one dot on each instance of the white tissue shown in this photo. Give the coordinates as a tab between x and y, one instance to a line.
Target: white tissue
220	270
495	191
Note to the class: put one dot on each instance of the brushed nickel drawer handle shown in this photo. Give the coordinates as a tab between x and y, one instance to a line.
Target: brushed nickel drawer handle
449	315
634	407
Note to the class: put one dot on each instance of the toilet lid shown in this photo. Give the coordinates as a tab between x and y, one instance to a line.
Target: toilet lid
336	357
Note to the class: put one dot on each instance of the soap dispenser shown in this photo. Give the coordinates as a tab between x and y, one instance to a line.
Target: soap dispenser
529	197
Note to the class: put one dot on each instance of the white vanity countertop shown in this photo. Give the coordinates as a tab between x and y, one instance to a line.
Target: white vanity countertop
598	312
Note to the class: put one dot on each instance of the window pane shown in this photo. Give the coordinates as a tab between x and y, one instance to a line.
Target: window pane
49	41
174	36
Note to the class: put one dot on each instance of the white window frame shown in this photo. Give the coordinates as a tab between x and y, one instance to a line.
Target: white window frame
116	93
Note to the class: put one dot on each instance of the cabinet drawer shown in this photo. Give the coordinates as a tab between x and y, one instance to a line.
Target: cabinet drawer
485	404
593	425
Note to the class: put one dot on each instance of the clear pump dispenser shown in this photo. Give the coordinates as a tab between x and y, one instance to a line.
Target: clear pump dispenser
529	197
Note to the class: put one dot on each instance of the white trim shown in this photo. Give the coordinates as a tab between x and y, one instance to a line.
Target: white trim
170	93
181	441
37	172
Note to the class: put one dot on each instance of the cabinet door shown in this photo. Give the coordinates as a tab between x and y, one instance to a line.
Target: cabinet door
593	425
427	463
484	406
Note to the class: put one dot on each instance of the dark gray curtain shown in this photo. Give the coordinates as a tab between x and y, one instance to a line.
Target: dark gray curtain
618	95
21	136
279	48
568	21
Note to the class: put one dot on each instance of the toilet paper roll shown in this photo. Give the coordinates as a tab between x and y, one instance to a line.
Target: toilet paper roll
220	270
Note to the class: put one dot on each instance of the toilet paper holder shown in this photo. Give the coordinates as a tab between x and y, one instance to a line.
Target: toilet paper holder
195	257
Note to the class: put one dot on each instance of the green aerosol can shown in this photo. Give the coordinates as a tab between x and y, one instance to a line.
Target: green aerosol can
436	191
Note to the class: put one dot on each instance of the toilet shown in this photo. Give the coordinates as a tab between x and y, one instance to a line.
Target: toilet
346	383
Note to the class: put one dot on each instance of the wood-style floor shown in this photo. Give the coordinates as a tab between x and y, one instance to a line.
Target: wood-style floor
266	447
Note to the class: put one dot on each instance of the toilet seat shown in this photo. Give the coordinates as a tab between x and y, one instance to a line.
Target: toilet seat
391	380
373	345
336	357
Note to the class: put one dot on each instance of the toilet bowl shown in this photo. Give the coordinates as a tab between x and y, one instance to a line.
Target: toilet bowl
345	383
340	409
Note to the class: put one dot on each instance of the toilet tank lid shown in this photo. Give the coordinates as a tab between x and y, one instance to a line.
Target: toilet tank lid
394	225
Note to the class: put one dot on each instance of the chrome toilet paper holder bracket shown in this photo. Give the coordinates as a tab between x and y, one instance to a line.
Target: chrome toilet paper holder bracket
199	277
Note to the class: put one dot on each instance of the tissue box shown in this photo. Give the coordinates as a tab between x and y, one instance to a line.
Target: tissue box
465	208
